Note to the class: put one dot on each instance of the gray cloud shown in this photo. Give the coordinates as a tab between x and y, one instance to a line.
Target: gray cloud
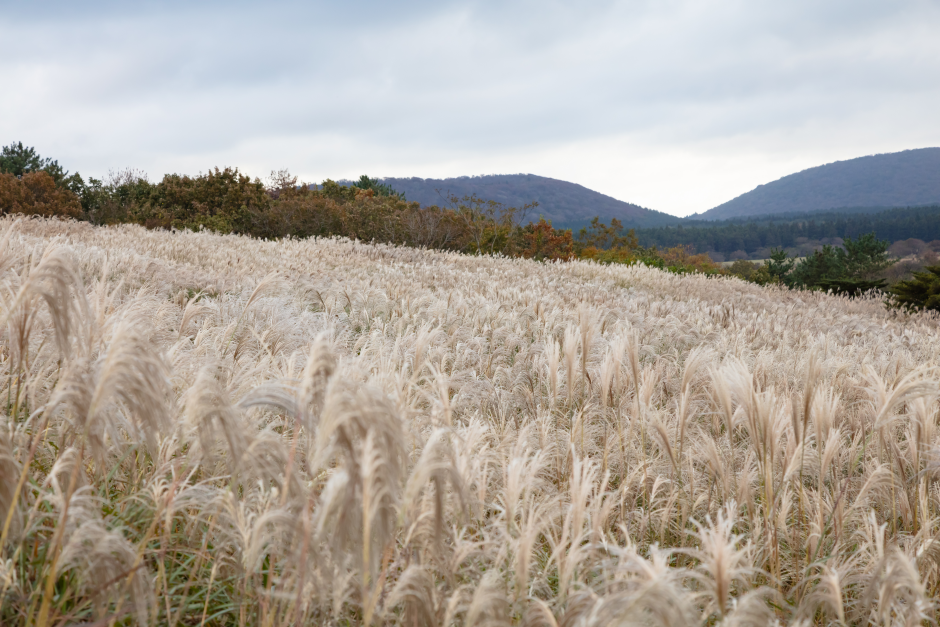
677	104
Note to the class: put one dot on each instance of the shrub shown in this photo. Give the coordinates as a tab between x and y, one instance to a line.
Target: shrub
541	241
37	194
220	200
743	269
13	194
683	259
752	272
602	237
922	291
122	197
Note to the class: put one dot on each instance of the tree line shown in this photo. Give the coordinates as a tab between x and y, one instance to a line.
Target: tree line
228	201
788	232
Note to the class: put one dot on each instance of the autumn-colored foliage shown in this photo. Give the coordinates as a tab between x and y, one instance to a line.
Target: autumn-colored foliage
685	258
541	241
228	201
37	194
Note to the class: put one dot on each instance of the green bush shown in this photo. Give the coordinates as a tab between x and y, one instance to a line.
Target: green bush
124	198
922	291
220	200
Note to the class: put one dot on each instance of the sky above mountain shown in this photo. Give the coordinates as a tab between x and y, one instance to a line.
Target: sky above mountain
677	105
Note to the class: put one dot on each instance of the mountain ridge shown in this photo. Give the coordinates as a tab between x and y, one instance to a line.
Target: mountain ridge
563	202
908	178
897	179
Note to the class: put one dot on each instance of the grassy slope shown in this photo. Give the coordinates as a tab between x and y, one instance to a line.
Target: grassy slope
409	437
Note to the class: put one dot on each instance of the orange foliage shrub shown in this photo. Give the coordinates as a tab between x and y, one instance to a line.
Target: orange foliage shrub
542	241
36	194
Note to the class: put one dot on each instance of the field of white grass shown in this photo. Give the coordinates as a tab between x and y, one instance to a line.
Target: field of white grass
203	429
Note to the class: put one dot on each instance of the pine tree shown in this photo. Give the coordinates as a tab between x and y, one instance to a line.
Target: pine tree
380	189
17	159
779	265
922	291
864	257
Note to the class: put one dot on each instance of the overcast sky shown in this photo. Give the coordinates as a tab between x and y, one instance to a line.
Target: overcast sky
675	105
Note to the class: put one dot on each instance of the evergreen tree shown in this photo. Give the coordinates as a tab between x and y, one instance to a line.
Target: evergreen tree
851	271
864	257
823	264
779	265
17	159
922	291
380	189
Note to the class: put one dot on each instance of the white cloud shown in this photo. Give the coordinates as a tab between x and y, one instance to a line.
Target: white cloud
675	105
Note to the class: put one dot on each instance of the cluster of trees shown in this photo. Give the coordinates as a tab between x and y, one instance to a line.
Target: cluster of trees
228	201
610	244
797	234
32	185
854	269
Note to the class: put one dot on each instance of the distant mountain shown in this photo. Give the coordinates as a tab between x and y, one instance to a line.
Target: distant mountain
899	179
565	204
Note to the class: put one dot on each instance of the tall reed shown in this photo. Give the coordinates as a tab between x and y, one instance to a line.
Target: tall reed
213	430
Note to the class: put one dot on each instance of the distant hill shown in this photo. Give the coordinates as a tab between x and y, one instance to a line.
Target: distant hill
565	204
898	179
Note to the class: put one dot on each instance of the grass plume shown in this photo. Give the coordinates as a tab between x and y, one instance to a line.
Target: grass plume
213	430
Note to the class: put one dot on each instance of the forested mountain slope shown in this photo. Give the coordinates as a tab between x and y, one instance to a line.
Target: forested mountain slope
898	179
562	202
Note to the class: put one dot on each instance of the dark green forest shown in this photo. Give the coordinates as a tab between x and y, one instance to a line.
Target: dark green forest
798	234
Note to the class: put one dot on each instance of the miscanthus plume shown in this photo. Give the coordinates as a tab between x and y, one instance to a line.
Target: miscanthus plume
213	430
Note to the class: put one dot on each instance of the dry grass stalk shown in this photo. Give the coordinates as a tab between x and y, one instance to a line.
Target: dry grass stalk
213	430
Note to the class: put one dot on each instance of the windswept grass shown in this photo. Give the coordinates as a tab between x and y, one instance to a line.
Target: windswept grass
211	430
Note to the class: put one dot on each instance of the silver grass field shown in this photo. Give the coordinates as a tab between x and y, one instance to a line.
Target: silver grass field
211	430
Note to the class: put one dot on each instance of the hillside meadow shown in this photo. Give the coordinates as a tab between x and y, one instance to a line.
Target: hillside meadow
204	429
